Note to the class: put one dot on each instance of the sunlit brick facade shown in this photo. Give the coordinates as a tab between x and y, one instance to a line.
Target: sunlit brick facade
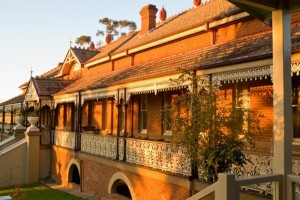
107	121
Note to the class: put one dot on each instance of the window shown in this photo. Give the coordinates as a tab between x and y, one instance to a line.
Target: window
65	117
143	113
243	98
296	106
169	100
122	116
243	101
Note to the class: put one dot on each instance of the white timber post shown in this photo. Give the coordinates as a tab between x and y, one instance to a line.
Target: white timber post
282	125
227	189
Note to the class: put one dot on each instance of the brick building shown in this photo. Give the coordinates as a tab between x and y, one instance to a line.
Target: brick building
103	106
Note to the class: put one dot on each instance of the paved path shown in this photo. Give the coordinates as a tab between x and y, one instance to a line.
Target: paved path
92	196
84	195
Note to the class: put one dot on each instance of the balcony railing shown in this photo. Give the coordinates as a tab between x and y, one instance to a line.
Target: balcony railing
228	188
45	137
64	139
157	155
163	156
99	145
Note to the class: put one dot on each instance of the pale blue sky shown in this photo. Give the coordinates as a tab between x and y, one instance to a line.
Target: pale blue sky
36	33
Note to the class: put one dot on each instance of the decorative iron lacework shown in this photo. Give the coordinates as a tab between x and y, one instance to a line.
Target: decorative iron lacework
64	139
65	100
49	103
154	88
45	137
262	165
99	145
295	68
99	95
121	148
258	73
264	90
157	155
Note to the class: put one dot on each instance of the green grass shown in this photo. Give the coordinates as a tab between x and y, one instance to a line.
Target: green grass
36	191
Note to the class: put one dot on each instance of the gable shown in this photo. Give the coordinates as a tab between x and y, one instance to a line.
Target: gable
31	93
69	61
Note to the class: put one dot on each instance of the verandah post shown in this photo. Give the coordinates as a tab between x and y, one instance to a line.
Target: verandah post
226	188
282	125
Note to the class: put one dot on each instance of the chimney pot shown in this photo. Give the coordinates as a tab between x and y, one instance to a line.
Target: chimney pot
92	46
197	2
108	38
162	14
148	18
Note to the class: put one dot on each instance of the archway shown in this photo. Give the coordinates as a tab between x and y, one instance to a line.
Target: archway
74	172
121	185
74	175
121	188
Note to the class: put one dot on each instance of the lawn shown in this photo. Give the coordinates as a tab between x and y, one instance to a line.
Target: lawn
35	191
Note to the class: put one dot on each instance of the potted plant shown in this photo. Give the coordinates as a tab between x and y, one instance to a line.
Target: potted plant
19	118
33	118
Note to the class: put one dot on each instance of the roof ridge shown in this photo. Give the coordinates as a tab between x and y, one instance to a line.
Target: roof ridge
184	11
119	38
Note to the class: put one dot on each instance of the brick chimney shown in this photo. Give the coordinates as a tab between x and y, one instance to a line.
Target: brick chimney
148	18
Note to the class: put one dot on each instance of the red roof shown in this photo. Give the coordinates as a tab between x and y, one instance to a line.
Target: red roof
250	47
14	100
84	54
49	86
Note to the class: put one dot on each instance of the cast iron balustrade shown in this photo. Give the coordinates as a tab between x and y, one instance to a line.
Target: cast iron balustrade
99	145
64	139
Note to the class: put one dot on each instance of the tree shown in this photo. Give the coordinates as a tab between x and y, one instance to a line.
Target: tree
213	133
82	40
115	28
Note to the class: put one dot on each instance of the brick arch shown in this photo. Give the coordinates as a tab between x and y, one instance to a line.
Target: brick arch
123	177
75	162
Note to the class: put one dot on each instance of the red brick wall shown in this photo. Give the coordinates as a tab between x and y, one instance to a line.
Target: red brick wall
135	114
122	63
154	106
261	101
240	29
102	68
96	177
180	46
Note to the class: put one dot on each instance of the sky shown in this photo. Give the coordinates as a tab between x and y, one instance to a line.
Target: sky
36	34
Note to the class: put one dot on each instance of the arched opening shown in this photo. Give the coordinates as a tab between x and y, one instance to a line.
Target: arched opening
120	187
74	174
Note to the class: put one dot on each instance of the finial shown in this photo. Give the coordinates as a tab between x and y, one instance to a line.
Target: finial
70	41
31	72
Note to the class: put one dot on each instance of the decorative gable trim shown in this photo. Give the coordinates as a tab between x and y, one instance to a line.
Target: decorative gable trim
296	68
69	61
31	93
